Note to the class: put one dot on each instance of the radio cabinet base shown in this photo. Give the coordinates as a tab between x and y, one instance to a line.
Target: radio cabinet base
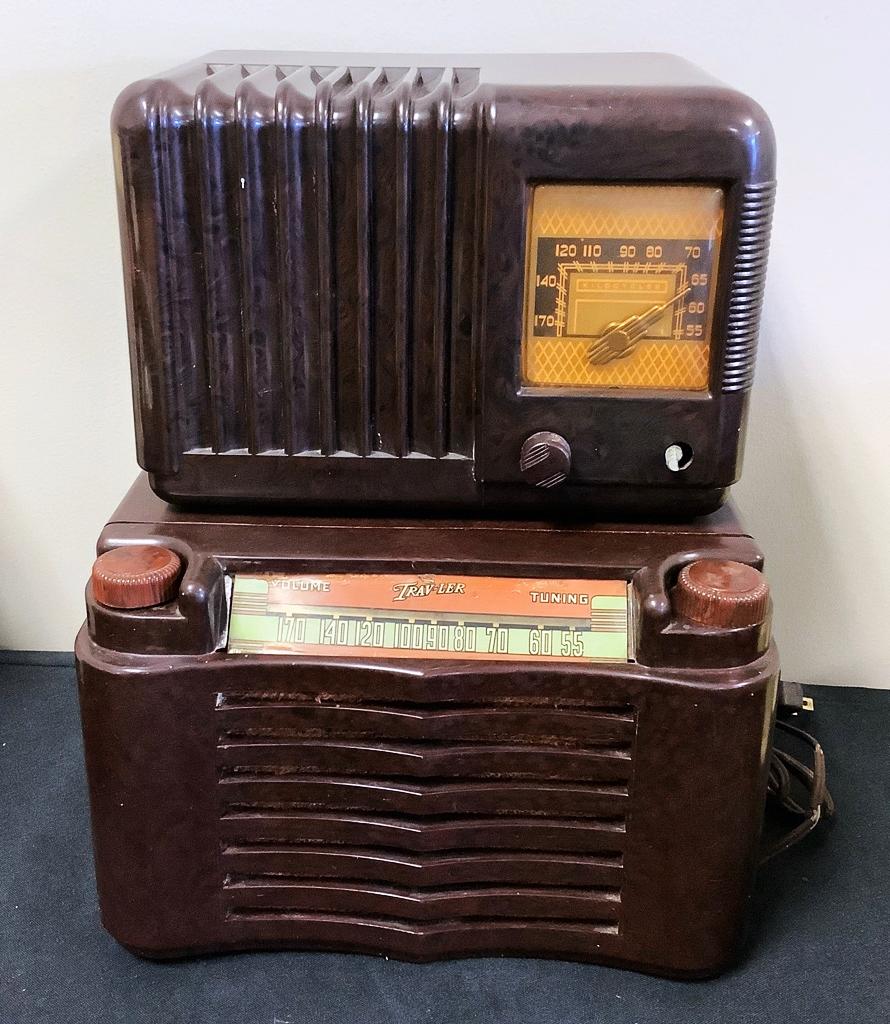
422	809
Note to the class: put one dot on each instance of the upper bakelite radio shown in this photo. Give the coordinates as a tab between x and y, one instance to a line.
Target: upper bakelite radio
518	283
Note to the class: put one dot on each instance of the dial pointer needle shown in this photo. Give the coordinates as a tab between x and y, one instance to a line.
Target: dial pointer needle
621	338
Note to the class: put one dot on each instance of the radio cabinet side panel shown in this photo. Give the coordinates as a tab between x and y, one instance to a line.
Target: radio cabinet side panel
700	789
152	783
159	176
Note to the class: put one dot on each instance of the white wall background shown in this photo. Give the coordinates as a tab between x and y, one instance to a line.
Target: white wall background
816	488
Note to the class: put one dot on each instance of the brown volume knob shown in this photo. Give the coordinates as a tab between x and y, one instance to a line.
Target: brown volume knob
717	592
136	576
545	459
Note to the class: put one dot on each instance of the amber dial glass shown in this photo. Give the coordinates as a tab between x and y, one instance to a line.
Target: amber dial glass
620	283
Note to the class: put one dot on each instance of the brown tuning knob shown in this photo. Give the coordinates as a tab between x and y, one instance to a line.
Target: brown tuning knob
136	576
717	592
545	459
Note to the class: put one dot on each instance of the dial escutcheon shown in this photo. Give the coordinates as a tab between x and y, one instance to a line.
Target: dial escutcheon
621	285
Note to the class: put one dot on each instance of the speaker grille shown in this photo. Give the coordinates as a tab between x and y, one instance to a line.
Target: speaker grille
300	245
423	818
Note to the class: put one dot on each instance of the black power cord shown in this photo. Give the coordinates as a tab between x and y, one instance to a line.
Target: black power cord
788	773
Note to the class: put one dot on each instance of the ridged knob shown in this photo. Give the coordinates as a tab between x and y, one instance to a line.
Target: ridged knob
545	459
136	576
715	592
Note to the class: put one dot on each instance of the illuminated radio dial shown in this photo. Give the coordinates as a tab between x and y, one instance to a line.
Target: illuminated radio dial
620	286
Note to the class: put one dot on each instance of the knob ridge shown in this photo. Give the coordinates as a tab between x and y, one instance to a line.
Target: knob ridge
136	576
721	593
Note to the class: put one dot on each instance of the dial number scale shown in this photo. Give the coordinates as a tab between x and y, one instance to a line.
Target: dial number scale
620	286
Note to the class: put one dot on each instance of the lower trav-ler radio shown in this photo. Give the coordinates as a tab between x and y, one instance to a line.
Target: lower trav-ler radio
427	739
530	284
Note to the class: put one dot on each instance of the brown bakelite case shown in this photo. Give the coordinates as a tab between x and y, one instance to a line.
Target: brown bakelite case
325	262
426	809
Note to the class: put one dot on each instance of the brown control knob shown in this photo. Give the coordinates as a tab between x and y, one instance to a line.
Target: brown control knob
545	459
717	592
136	576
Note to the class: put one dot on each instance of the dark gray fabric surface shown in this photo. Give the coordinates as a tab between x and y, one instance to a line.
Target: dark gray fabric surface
819	948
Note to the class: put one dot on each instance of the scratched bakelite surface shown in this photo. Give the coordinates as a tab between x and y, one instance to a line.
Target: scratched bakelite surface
325	271
319	224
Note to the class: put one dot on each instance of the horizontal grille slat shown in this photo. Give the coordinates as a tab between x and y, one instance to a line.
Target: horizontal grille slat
422	870
514	832
500	932
260	893
252	699
356	794
481	761
305	721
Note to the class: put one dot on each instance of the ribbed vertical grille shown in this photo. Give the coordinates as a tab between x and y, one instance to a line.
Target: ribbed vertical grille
310	233
748	281
423	818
